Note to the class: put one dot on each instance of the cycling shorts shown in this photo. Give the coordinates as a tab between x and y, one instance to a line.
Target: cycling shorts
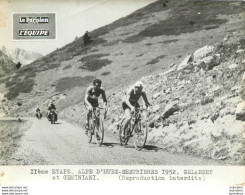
94	104
125	106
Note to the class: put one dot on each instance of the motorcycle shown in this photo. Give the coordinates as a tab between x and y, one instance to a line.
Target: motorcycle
53	116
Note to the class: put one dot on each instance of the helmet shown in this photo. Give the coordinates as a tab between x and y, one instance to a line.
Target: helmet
97	81
139	84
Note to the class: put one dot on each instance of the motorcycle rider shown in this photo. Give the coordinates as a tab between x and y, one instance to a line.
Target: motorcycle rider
50	108
38	112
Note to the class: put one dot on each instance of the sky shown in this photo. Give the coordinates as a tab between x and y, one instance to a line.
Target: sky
74	17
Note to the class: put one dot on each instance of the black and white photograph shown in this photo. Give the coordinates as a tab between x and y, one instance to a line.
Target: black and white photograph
122	82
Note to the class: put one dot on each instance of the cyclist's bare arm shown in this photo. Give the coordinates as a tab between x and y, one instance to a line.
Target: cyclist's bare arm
86	97
127	99
145	99
104	96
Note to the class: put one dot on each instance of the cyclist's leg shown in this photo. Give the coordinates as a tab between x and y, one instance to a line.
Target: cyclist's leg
127	116
138	127
89	114
136	105
96	105
127	113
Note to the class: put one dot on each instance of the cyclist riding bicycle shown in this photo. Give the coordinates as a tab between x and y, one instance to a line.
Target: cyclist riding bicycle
131	99
91	99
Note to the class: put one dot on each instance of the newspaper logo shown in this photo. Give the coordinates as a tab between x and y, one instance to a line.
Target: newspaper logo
34	26
34	20
25	33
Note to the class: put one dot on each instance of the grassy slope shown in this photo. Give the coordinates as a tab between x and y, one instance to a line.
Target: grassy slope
10	134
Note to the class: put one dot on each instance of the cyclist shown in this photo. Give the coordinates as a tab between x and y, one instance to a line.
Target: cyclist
130	101
91	99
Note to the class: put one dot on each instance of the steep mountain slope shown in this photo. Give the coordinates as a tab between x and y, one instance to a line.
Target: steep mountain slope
20	55
152	38
187	99
6	64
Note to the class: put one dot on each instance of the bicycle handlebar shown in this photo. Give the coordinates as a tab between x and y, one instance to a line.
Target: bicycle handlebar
142	109
105	114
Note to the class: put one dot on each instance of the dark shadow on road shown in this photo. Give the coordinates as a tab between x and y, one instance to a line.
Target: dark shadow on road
111	144
151	148
147	148
128	146
56	123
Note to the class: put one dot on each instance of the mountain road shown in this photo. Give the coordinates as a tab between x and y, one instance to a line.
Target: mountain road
66	144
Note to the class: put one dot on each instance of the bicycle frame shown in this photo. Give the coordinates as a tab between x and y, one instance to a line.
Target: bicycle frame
136	118
96	114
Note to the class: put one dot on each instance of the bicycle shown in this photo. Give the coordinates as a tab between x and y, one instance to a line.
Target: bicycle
136	128
95	125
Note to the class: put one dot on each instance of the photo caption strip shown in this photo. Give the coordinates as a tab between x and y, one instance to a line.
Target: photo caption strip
34	26
163	174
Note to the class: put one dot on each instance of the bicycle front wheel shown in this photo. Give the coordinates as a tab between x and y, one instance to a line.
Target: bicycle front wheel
140	135
90	130
99	132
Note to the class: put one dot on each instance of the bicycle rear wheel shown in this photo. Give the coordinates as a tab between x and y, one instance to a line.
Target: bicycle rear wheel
90	130
140	134
100	132
124	133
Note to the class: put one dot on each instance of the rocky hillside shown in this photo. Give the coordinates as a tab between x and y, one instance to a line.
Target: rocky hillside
198	105
20	55
188	53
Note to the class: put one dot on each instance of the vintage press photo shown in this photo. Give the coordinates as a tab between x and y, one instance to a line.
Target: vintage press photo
122	82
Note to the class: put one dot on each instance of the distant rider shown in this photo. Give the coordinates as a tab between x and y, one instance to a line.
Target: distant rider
38	112
91	99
